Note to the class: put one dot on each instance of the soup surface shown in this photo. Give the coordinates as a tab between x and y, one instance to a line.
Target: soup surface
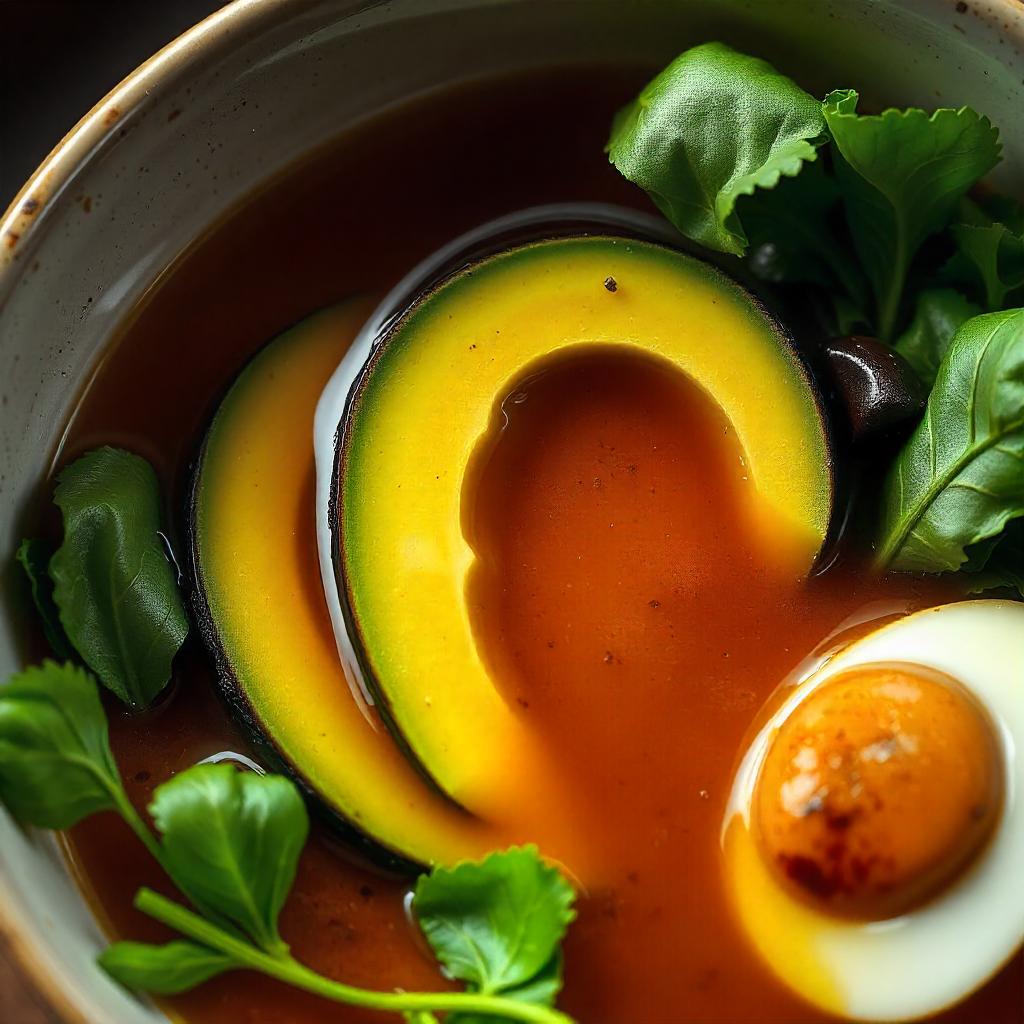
615	594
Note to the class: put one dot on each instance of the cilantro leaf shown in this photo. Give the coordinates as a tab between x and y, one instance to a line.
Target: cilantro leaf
542	990
924	344
34	557
902	173
715	125
497	924
231	842
163	970
958	481
56	767
115	588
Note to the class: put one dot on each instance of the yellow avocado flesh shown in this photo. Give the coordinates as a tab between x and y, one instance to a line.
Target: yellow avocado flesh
256	559
427	399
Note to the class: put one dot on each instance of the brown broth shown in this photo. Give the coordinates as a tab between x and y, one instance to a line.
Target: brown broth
588	623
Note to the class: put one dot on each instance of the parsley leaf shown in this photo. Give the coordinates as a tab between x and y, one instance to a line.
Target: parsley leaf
56	767
713	126
115	588
541	990
164	970
902	173
231	842
497	924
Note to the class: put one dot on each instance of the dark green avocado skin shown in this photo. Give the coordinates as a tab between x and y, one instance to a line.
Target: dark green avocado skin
356	842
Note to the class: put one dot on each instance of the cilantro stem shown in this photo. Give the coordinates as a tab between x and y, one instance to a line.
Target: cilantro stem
133	819
285	968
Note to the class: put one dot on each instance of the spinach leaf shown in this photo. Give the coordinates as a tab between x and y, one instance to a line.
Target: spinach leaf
902	173
34	558
497	924
992	255
960	478
924	344
164	970
56	767
231	843
116	591
713	126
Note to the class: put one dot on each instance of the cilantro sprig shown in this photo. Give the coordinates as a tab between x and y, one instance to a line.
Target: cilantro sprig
231	841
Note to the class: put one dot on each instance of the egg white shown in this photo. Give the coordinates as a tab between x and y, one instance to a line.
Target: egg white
930	958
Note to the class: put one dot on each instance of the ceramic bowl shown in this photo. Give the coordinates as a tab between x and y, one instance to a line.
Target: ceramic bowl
252	89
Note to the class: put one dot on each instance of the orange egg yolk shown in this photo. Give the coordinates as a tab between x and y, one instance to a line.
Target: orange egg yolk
879	790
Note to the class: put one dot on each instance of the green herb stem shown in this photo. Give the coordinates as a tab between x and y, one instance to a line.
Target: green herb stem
285	968
889	305
134	821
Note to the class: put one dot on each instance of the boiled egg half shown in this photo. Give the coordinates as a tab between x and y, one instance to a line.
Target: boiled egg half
874	838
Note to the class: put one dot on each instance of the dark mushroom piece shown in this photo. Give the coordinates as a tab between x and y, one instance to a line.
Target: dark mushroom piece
876	388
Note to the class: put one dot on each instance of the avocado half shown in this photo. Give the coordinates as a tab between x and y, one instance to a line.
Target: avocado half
415	412
263	615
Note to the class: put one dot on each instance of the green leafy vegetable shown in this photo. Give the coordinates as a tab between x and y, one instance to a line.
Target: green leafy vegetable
993	255
34	558
902	173
55	761
788	230
497	925
793	241
960	478
924	344
231	842
728	150
999	564
541	990
413	1006
713	126
164	970
115	588
997	209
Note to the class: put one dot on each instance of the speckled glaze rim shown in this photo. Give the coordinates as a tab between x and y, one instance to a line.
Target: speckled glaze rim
21	223
221	30
21	228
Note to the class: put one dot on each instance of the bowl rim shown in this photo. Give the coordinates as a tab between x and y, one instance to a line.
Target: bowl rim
21	227
21	221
